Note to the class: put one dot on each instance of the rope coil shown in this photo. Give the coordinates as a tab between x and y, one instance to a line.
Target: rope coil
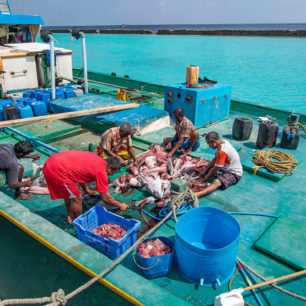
285	162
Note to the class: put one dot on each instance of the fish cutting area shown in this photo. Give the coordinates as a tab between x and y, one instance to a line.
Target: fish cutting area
241	198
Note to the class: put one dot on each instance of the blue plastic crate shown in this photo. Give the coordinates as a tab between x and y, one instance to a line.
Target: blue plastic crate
98	215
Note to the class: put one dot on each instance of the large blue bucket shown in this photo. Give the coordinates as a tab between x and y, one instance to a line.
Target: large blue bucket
206	246
156	266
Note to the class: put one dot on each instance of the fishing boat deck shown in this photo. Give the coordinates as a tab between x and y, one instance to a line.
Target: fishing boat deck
45	219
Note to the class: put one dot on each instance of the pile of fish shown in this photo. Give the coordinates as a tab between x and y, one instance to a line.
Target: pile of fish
107	230
153	248
155	171
39	185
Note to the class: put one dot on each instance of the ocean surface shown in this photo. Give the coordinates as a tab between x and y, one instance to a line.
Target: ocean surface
156	27
262	70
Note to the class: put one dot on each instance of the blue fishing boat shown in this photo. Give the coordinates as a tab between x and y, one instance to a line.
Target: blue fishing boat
255	227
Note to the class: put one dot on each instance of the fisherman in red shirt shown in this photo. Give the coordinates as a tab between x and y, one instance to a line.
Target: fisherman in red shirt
64	169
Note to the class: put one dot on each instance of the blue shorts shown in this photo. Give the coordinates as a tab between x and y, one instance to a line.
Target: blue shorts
186	143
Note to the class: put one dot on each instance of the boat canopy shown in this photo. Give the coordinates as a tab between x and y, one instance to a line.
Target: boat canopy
20	19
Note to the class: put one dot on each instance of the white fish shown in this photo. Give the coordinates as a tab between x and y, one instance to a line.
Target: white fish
36	167
151	161
170	167
134	182
158	188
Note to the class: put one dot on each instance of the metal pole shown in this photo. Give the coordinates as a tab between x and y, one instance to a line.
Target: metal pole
84	63
31	139
52	66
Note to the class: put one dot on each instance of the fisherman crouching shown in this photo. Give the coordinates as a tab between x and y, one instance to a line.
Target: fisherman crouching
225	167
64	170
117	142
186	136
12	170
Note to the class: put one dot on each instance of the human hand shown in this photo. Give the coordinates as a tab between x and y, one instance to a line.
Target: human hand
124	206
91	192
27	182
36	156
187	152
169	146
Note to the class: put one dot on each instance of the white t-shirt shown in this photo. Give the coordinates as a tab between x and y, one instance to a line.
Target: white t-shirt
227	158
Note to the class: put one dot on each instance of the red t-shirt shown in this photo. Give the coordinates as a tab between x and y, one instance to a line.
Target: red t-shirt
80	167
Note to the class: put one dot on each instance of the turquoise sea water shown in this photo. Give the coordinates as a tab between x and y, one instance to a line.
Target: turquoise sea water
264	70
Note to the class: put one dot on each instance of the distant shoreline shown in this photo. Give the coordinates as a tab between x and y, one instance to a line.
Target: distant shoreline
272	33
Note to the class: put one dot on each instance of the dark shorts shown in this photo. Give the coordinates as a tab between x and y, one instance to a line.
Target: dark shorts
227	179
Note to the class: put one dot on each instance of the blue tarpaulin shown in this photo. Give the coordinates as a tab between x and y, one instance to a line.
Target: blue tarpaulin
139	119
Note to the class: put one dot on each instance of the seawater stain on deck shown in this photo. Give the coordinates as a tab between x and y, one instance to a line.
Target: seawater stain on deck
251	194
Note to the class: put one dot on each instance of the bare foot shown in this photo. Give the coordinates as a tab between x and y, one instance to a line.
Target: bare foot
23	196
69	220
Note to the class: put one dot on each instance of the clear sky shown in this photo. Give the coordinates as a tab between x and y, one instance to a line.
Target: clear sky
116	12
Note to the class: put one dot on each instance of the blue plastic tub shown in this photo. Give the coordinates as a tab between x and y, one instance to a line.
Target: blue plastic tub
39	108
98	215
206	246
25	111
156	266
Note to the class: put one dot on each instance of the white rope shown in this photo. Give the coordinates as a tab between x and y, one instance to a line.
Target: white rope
297	296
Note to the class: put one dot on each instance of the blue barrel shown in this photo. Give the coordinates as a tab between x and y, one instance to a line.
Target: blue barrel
29	94
25	111
21	100
156	266
37	92
6	102
29	101
206	246
69	93
44	96
59	94
18	104
39	108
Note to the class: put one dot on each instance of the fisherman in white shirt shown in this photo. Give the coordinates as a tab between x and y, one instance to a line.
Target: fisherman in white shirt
225	167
